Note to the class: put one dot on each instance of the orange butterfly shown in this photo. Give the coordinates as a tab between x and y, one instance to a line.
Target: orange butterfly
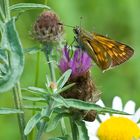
106	52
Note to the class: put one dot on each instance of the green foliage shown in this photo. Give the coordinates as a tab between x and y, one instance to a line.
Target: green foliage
55	102
4	111
104	17
53	124
12	50
32	123
27	6
82	130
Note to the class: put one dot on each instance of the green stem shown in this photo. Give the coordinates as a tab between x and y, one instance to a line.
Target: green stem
43	122
7	11
63	127
31	136
37	68
52	73
2	7
2	14
73	129
41	129
18	103
51	67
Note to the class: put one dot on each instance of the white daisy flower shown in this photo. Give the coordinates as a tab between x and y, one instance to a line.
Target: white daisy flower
116	127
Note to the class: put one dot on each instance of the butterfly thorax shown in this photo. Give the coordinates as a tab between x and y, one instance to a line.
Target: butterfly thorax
82	35
81	32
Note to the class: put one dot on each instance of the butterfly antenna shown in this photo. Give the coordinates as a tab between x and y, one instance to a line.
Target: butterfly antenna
81	18
66	25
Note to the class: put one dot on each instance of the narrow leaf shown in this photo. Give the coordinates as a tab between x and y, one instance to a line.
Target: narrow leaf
31	107
63	79
32	123
34	99
59	101
32	50
59	138
32	92
27	6
36	89
9	111
83	133
87	106
65	88
53	124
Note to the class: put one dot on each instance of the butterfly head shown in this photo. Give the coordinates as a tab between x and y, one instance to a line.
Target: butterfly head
77	30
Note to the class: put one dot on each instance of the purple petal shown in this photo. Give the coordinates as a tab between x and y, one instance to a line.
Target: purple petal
79	63
66	53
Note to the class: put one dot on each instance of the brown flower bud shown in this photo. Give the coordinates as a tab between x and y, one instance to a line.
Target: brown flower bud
47	27
84	90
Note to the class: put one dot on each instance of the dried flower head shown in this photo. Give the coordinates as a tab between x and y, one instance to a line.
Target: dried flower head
84	88
47	27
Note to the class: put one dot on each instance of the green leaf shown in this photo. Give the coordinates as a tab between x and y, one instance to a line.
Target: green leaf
55	139
9	111
59	138
83	133
65	88
82	105
34	99
32	92
32	123
13	49
31	107
59	101
53	124
27	6
63	79
32	50
36	89
1	26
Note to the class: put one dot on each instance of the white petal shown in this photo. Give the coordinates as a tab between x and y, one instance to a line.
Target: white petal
100	102
136	116
102	117
93	138
138	125
117	103
130	107
92	129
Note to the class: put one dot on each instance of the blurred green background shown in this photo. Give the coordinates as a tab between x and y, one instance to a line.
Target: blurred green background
117	19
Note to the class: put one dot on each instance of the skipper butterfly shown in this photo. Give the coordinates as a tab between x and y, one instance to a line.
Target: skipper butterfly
106	53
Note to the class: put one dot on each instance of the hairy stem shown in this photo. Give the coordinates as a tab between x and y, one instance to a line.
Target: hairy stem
73	129
18	103
31	136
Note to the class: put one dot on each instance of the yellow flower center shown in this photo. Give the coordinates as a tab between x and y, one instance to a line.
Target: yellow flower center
118	128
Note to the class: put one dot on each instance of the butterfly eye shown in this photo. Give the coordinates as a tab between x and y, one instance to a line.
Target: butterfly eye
76	30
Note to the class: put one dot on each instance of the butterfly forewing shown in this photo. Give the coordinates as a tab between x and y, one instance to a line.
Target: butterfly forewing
118	52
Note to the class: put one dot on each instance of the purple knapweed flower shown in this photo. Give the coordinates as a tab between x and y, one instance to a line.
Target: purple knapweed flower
79	63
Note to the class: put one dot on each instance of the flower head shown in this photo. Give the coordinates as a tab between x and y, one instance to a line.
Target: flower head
47	27
116	127
80	63
84	88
